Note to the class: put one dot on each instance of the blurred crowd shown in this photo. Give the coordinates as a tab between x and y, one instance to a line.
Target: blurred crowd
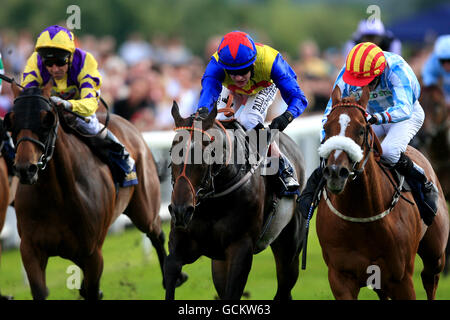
142	77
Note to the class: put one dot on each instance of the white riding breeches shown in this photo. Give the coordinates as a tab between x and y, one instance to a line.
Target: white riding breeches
249	110
398	135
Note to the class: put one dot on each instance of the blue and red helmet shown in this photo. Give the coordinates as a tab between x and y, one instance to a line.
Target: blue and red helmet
236	51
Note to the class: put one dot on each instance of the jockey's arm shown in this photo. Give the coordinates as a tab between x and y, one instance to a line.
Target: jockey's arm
405	91
89	80
211	84
286	81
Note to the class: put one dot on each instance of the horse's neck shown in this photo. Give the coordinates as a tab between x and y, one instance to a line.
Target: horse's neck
62	163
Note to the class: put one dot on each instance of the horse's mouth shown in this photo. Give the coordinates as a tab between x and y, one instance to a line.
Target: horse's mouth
336	186
27	174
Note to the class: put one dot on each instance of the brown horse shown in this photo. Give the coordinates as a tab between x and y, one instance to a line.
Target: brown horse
435	138
227	212
364	225
435	134
4	200
67	198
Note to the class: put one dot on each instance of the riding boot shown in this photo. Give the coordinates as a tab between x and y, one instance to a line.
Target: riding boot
286	175
425	192
114	153
307	199
8	152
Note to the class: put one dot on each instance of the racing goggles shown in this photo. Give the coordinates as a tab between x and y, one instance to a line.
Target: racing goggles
442	61
239	72
58	61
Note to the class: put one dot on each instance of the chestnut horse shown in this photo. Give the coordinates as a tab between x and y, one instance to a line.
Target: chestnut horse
67	199
219	209
363	224
4	200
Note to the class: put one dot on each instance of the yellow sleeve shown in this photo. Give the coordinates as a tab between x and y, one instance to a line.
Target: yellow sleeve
31	76
90	82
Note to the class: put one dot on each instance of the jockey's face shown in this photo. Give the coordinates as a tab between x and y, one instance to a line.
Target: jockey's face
57	72
445	63
241	80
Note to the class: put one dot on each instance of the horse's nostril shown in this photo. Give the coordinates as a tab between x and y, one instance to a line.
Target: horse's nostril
32	169
344	173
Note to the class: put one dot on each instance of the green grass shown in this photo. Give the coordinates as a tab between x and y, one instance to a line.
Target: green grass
131	274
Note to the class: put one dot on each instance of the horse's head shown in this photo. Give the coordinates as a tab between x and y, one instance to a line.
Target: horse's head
346	139
194	163
32	123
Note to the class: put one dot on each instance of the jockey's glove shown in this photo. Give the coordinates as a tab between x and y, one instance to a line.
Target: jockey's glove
61	102
203	112
372	119
282	121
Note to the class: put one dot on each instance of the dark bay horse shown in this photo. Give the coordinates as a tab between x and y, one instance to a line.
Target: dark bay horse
4	199
435	137
218	211
435	134
363	224
67	199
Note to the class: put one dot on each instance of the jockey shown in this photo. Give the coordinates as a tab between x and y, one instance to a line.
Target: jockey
373	31
438	67
251	74
76	87
395	113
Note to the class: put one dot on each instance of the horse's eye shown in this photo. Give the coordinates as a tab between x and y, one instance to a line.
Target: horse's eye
361	132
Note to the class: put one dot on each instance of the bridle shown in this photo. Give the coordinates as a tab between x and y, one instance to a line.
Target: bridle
370	139
48	146
207	186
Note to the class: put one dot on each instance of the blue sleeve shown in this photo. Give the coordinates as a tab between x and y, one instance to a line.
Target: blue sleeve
211	84
430	71
405	91
286	81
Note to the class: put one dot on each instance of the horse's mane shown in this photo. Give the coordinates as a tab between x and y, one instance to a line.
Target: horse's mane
31	91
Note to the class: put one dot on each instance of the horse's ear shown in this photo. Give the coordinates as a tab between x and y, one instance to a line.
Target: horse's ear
15	89
364	97
47	90
177	118
209	120
336	95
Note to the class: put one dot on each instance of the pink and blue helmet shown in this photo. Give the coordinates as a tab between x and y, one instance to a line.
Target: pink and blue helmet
236	51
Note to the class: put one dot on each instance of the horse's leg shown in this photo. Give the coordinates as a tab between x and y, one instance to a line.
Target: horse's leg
382	295
286	249
35	262
239	258
92	267
343	285
219	270
2	297
141	210
182	250
404	290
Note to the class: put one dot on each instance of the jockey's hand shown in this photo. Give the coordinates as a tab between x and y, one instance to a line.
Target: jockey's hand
282	121
203	112
372	119
61	102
